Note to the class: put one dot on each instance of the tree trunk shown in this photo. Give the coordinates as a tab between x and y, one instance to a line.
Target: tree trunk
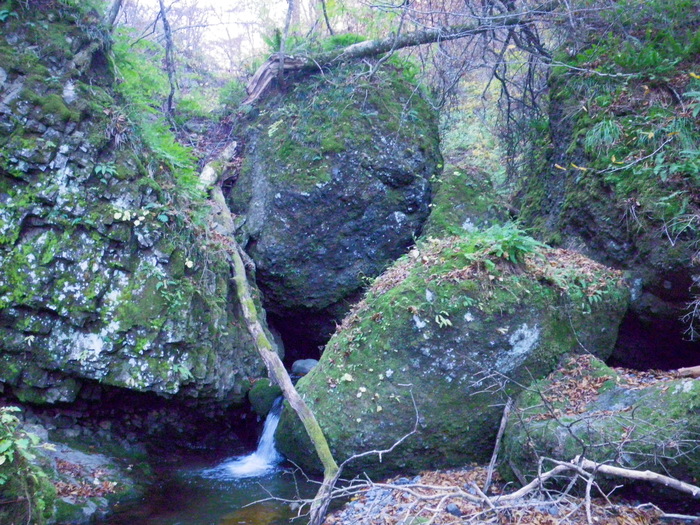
169	57
370	48
693	371
111	14
325	17
222	222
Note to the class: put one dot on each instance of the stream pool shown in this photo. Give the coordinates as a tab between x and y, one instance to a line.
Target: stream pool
205	495
243	490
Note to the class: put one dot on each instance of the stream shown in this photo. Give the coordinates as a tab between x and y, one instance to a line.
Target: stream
228	493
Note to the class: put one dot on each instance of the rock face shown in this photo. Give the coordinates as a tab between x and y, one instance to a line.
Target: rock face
618	181
643	423
457	328
334	186
103	277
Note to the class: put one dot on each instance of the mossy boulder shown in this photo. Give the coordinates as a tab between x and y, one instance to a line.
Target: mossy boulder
456	326
616	417
335	184
613	173
105	273
262	395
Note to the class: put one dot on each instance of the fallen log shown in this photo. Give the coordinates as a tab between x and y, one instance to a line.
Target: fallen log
371	48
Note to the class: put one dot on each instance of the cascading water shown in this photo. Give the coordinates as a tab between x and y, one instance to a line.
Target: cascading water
265	458
223	494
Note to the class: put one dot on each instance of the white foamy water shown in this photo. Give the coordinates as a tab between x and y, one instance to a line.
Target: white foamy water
266	458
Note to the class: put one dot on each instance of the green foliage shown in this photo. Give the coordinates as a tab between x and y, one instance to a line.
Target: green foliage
22	485
694	103
293	44
603	135
340	41
143	86
232	94
502	241
6	13
105	169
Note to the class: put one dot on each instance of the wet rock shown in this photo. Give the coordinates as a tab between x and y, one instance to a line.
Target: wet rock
262	395
301	367
453	509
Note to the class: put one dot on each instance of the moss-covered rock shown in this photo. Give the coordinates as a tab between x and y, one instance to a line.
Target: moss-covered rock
262	395
609	416
106	272
334	185
464	200
455	326
614	173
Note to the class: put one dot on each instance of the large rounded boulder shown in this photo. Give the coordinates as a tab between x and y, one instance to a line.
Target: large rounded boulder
334	185
103	277
442	339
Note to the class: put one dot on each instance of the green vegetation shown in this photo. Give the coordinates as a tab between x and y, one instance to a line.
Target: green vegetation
338	112
25	490
143	85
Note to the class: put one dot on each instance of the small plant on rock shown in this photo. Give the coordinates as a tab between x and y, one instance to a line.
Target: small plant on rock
24	488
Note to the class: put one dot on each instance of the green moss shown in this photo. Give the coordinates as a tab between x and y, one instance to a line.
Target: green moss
54	105
588	408
310	127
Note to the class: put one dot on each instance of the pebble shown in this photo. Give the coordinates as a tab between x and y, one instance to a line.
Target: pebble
453	509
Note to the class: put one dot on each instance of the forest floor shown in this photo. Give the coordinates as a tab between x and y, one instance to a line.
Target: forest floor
423	501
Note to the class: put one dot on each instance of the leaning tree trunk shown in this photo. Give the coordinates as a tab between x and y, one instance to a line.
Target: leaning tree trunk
263	77
222	222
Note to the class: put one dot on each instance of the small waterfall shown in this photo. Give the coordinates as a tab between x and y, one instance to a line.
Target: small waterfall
266	457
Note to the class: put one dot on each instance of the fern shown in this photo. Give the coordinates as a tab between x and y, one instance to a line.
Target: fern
603	135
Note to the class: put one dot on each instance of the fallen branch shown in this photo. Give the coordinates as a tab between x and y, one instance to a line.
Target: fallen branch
638	475
692	371
372	48
497	446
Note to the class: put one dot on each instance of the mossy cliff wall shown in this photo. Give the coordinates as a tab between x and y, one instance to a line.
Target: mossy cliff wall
106	275
616	170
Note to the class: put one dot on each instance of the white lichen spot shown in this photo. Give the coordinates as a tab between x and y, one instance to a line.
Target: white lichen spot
468	317
468	225
522	341
420	324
